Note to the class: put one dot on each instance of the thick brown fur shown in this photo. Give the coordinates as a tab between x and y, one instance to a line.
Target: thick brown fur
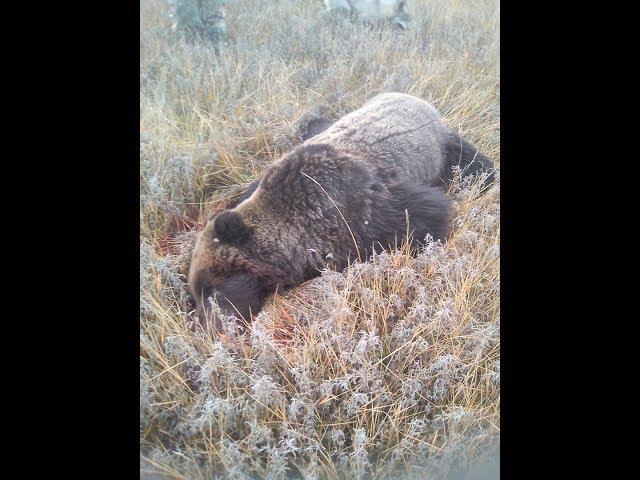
337	197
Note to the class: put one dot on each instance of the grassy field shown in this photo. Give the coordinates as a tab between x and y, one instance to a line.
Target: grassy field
387	370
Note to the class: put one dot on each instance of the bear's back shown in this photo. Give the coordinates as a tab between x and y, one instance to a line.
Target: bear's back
393	132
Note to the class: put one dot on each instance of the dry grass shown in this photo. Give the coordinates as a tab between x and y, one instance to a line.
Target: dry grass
387	370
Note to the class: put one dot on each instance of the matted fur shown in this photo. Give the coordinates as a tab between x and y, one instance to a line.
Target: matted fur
364	183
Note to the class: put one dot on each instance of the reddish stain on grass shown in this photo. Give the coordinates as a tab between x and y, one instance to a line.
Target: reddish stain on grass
170	245
285	314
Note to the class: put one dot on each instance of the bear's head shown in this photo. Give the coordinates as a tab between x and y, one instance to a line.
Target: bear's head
279	236
224	268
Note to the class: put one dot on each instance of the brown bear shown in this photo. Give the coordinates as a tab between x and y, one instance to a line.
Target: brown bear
346	191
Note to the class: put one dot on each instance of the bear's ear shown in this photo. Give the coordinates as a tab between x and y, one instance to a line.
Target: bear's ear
230	228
